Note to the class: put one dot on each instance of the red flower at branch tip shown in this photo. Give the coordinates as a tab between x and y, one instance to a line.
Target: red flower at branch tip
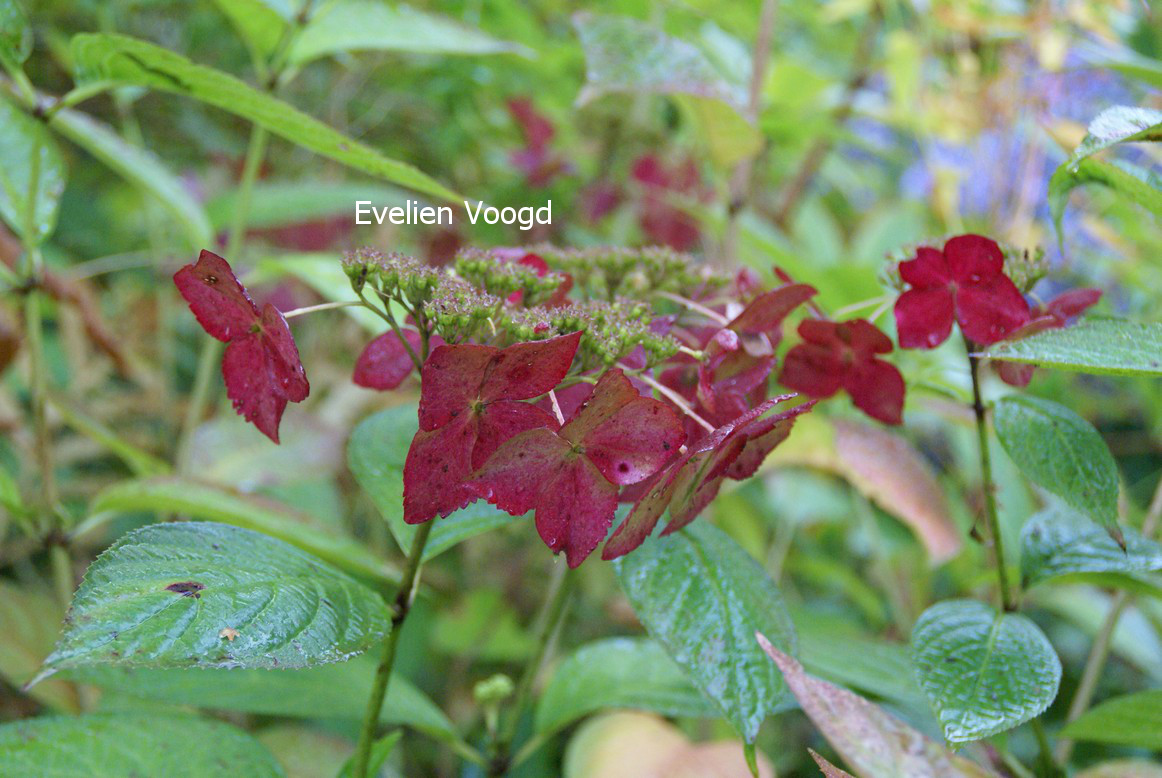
469	405
842	355
571	477
261	365
965	282
384	363
1056	314
734	450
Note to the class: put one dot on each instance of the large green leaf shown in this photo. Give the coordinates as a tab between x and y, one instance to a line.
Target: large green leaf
1132	720
624	55
871	741
984	672
1119	124
1060	541
15	33
335	691
200	500
1103	346
368	25
618	673
1140	185
140	168
27	151
129	746
200	594
121	59
1061	452
703	598
376	454
278	203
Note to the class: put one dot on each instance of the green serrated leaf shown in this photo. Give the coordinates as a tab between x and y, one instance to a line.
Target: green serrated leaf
125	745
139	167
365	25
618	673
702	598
1061	452
1139	185
1132	720
200	594
27	151
15	33
335	691
125	60
871	741
201	500
1101	346
983	671
376	453
1119	124
1060	541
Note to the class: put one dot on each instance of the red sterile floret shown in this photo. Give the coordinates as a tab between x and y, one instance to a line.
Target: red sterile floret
842	355
1056	314
759	326
469	405
261	365
384	363
535	160
571	477
733	450
965	282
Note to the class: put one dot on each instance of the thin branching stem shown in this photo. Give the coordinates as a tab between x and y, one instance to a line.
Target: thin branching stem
320	307
676	399
709	313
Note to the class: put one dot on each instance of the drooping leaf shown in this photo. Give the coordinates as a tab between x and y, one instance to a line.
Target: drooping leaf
618	673
364	25
131	744
1063	453
260	23
984	671
1102	346
119	58
376	453
200	500
27	148
1119	124
335	691
139	167
1141	186
707	627
15	33
1060	541
1132	720
624	55
872	741
200	594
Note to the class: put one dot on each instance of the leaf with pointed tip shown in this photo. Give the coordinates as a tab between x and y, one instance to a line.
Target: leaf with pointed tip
872	741
618	673
1061	452
1132	720
829	770
702	598
1119	124
131	744
1140	185
1100	346
23	142
1060	541
984	672
126	60
380	750
211	595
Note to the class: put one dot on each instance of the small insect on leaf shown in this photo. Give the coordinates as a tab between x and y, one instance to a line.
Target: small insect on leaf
186	588
229	633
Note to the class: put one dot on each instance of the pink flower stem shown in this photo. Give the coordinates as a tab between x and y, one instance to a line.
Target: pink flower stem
320	307
709	313
676	399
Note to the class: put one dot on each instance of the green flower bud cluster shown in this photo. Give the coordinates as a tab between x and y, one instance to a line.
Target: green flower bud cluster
611	330
501	277
1025	267
607	273
392	276
459	311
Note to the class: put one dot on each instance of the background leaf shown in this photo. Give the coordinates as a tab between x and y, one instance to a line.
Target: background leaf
1061	452
1139	185
872	741
1060	541
985	672
166	595
1132	720
702	598
618	673
1103	346
22	140
1119	124
127	745
261	24
376	454
363	25
28	620
127	60
15	34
